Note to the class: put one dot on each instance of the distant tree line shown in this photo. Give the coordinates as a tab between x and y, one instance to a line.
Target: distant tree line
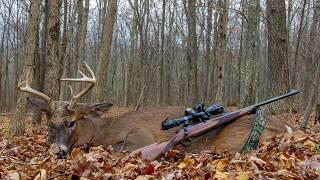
158	52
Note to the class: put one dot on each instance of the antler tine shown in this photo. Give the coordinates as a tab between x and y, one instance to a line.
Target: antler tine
27	88
71	90
92	81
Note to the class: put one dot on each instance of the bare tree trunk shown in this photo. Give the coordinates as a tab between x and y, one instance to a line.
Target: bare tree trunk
192	52
201	42
311	61
64	45
37	113
18	125
18	53
212	64
208	49
43	45
240	55
278	75
128	88
312	98
310	57
221	53
296	54
67	56
84	32
1	73
82	40
251	55
54	66
289	22
106	50
78	37
317	118
4	60
161	71
7	85
64	36
102	6
41	63
141	66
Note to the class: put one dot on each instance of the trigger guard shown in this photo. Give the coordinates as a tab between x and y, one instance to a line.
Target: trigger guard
186	143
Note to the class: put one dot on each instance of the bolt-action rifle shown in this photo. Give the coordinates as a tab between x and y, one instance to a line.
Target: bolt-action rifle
156	150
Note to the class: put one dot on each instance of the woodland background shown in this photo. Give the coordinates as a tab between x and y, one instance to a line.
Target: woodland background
153	52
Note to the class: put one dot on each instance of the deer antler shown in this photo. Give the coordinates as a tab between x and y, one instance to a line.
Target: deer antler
92	81
27	88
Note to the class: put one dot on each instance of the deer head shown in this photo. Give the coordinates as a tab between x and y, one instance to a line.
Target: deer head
66	120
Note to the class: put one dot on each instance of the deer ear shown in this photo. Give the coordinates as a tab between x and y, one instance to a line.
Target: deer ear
99	109
40	104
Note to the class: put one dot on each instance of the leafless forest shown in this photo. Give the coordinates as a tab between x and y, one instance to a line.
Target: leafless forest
162	53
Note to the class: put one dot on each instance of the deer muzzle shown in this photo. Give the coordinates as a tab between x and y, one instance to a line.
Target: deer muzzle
62	154
64	139
63	151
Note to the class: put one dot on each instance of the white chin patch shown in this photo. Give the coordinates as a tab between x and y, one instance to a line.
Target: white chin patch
289	129
63	147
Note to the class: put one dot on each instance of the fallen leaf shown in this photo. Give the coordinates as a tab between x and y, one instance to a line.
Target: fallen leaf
149	170
84	178
241	174
145	177
221	165
311	163
318	148
54	149
187	160
107	176
287	174
310	145
13	175
75	153
220	175
42	175
128	167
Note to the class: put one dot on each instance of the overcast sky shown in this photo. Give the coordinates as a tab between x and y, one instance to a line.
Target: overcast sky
93	3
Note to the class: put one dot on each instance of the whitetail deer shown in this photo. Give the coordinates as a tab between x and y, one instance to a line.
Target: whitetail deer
72	123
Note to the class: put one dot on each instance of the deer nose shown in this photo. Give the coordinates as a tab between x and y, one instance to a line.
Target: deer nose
62	154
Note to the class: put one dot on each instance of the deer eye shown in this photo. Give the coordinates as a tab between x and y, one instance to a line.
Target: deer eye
71	124
50	125
68	111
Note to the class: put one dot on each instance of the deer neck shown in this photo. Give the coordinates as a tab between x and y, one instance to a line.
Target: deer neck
103	131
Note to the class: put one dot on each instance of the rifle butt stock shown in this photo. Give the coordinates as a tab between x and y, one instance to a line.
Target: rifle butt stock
152	151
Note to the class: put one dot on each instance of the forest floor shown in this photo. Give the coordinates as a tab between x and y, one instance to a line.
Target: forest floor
295	156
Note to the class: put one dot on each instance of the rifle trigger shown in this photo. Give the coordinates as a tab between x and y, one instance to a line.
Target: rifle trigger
186	133
187	142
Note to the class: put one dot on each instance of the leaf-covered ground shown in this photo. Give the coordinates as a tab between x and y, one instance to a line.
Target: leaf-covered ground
295	156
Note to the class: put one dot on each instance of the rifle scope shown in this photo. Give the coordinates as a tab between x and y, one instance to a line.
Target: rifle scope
193	115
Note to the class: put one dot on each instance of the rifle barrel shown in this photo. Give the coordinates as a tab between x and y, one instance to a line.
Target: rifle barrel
291	93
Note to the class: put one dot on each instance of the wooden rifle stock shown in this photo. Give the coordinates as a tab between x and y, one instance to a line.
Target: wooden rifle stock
156	150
